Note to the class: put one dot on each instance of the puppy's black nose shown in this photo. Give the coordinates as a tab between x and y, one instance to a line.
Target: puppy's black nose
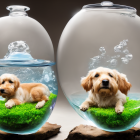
2	90
105	82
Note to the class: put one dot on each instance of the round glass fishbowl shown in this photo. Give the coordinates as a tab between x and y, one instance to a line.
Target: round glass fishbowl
28	86
98	65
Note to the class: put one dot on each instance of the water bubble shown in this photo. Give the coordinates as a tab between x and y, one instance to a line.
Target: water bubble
17	46
113	62
30	74
126	51
118	48
96	59
46	78
93	60
123	42
102	49
125	60
50	74
91	66
129	56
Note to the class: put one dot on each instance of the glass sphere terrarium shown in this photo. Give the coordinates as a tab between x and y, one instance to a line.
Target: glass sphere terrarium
101	43
28	85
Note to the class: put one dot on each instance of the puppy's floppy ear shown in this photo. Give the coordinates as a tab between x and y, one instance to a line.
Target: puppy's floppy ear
123	84
86	82
17	83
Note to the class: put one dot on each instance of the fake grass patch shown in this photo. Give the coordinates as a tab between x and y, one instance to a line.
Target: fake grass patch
109	117
24	114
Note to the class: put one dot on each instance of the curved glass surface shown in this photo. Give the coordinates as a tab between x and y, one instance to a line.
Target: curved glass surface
35	119
100	38
109	5
21	70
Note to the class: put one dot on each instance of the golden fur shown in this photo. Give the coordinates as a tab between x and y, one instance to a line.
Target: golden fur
16	93
112	95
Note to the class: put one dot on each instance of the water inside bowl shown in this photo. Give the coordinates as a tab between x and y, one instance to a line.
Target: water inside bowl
76	99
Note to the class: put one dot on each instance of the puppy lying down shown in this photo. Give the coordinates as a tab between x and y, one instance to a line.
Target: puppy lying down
16	93
107	88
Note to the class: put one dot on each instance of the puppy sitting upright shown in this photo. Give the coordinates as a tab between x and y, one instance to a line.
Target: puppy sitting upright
16	93
107	88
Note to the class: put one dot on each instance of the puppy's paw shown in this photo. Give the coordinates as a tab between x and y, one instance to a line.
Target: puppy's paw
40	104
84	107
119	109
8	105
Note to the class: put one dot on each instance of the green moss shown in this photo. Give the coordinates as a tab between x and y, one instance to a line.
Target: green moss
24	114
109	117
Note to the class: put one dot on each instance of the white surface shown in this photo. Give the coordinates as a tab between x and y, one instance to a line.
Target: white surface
64	115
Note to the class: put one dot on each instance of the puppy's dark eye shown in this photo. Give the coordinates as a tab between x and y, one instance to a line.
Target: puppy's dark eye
10	81
97	75
110	75
3	82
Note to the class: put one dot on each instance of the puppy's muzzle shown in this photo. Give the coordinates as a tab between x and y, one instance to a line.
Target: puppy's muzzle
2	90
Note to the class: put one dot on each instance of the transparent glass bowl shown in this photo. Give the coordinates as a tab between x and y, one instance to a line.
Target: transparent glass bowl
23	34
25	118
32	74
106	35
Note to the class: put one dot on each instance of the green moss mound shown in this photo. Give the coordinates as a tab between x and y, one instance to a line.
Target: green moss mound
23	115
109	117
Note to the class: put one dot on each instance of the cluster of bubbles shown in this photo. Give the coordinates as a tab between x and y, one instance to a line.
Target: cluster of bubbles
17	46
50	79
112	61
43	75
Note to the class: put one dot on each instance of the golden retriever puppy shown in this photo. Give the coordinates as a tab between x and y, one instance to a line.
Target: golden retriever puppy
16	93
107	88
